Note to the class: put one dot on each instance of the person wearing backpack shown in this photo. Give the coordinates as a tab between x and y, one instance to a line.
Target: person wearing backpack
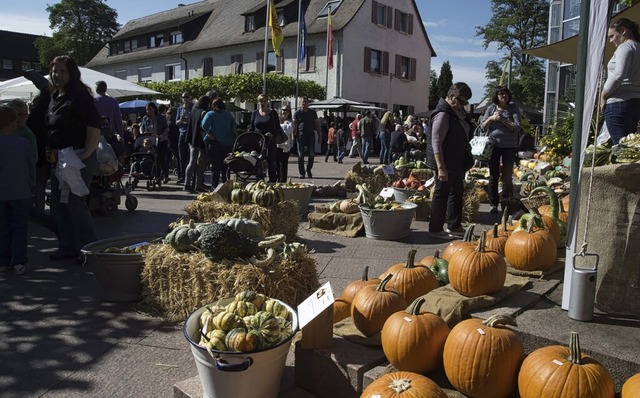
502	122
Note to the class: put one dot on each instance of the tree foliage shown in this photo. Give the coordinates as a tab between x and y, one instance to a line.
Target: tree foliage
243	87
433	89
445	80
80	29
514	26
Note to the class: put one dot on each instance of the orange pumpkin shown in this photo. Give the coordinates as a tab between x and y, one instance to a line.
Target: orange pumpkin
373	305
474	272
565	202
413	341
548	223
497	240
554	212
341	310
530	249
506	224
403	385
354	287
562	372
482	358
467	240
631	387
411	280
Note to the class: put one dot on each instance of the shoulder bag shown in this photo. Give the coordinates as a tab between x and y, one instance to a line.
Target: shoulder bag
481	145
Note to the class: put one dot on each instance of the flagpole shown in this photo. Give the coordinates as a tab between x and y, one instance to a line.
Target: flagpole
295	105
326	75
264	55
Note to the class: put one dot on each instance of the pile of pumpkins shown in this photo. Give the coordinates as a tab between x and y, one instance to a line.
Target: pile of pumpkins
259	192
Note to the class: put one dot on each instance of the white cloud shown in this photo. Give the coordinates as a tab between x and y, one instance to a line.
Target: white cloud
25	24
434	24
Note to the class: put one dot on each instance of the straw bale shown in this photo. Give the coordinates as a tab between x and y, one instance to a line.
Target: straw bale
281	218
470	207
175	284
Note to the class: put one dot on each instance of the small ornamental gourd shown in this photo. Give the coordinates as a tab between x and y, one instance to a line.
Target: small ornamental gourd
257	299
413	341
411	279
482	358
474	272
226	321
276	308
403	384
354	287
531	183
243	340
241	308
467	240
531	250
439	267
631	387
245	226
561	372
267	325
184	237
214	340
373	305
240	196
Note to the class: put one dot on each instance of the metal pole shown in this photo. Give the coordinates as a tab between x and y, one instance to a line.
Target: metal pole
326	73
295	106
265	55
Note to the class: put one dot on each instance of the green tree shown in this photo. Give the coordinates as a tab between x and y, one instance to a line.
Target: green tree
433	89
81	28
514	26
445	80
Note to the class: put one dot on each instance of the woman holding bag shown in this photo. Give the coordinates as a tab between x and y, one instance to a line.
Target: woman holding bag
501	121
266	121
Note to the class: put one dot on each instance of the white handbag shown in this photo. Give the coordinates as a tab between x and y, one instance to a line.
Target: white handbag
481	145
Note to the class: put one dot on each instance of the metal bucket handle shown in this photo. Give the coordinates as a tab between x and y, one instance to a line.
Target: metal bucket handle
584	255
225	366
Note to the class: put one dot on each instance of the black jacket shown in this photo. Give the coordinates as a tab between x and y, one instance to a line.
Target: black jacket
455	143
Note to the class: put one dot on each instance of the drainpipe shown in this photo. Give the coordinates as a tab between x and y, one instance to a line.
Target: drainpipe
186	67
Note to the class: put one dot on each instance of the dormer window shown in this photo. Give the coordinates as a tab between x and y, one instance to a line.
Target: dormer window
281	19
176	37
250	23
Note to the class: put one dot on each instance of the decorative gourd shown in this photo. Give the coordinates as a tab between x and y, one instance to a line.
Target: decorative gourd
226	321
439	266
631	387
276	308
264	197
561	372
215	340
341	310
237	185
497	240
467	240
554	214
279	193
241	308
184	237
257	299
373	305
242	340
411	280
354	287
531	250
349	206
245	226
482	358
240	196
403	384
531	183
474	272
267	325
413	341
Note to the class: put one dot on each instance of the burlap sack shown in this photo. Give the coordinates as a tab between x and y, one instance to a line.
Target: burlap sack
613	232
348	225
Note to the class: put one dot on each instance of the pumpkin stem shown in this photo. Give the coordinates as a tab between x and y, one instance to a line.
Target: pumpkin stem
574	349
495	231
383	283
436	255
468	233
400	385
482	242
553	200
499	319
365	273
414	308
411	259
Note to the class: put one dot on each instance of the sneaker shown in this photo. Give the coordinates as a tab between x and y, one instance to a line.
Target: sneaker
309	174
20	269
5	268
494	209
301	176
455	232
440	235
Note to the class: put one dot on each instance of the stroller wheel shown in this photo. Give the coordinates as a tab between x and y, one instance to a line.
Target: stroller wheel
109	208
131	203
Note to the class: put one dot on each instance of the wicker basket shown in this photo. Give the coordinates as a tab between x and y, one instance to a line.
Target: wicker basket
535	201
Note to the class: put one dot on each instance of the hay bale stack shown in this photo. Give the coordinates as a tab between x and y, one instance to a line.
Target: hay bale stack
470	206
175	284
281	218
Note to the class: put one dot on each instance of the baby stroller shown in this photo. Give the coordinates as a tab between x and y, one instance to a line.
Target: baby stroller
249	157
144	163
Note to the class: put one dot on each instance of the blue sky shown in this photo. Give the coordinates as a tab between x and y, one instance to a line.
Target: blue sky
450	25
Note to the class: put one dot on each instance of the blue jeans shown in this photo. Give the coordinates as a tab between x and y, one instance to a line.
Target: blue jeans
75	223
622	118
14	222
367	147
385	147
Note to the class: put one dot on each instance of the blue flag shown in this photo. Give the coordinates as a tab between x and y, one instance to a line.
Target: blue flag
303	38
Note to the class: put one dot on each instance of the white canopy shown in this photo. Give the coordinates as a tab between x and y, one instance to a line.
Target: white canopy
21	87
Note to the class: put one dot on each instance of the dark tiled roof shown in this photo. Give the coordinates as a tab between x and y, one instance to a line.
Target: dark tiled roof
18	46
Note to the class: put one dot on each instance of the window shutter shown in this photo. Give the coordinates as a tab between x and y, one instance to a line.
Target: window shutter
374	12
259	61
207	66
367	59
311	58
280	62
412	70
397	66
167	73
385	63
397	20
410	24
389	21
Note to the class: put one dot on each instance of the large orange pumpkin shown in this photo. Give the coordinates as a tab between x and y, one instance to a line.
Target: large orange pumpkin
561	372
373	305
413	341
411	280
554	213
548	223
497	240
482	358
354	287
403	385
530	249
631	387
506	223
468	239
341	310
474	272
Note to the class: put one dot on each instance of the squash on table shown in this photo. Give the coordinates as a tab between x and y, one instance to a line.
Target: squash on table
474	272
530	249
413	341
439	266
631	387
354	287
411	279
403	385
468	239
482	358
373	305
561	372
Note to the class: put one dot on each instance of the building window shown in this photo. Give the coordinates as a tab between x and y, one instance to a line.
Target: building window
7	64
405	68
172	72
156	41
121	74
250	23
571	9
176	37
376	61
552	77
331	5
310	59
26	65
404	22
281	19
144	74
207	66
236	64
127	46
274	63
134	44
381	14
570	28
